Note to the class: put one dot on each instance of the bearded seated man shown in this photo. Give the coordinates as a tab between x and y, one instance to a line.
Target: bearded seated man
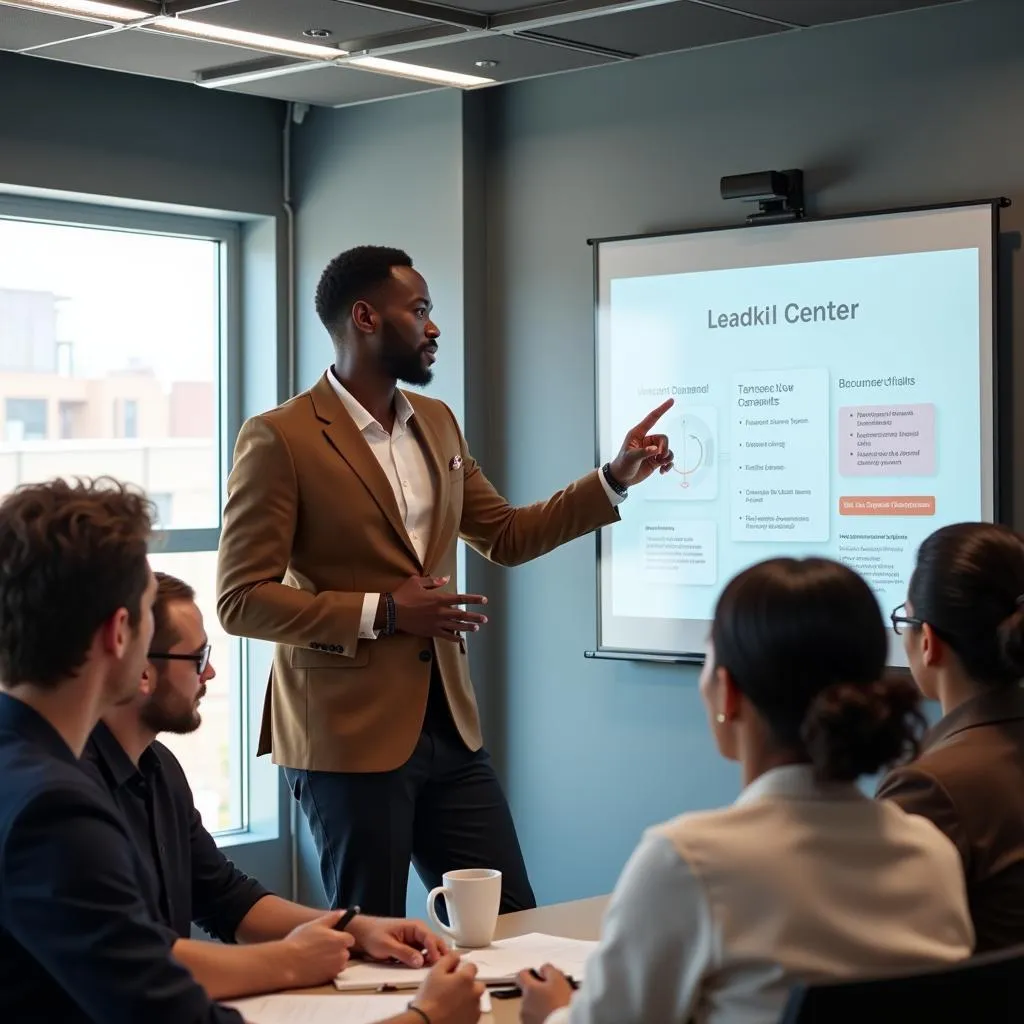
267	943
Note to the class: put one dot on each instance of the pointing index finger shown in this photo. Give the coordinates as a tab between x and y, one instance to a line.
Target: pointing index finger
653	416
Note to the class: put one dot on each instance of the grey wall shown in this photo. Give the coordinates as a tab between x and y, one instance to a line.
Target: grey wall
383	174
100	133
901	110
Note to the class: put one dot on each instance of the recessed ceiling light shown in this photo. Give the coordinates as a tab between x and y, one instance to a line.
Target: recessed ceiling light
485	63
418	72
250	40
318	33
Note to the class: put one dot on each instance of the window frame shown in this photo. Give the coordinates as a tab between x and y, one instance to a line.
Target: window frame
228	234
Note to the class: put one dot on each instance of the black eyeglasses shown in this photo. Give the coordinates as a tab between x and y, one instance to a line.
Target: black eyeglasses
201	658
898	619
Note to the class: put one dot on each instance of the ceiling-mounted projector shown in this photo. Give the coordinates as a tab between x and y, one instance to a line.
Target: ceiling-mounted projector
779	194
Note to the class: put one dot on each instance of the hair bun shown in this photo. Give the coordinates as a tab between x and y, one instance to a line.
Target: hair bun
1010	637
854	729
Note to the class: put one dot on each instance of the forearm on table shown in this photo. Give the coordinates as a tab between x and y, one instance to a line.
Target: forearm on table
273	918
230	972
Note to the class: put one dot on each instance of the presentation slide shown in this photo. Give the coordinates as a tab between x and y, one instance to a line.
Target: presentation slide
833	396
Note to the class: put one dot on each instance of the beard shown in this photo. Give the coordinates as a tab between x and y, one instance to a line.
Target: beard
400	361
164	712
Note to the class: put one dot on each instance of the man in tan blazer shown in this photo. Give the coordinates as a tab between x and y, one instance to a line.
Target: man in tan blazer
343	513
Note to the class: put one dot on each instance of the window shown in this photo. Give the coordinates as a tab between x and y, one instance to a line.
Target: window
130	424
72	419
163	502
125	337
25	419
213	754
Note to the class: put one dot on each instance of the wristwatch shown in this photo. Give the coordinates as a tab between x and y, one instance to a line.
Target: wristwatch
614	484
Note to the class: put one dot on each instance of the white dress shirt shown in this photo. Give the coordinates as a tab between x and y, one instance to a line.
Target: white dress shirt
718	914
407	468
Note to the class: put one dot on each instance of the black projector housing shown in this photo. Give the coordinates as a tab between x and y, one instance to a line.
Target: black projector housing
778	194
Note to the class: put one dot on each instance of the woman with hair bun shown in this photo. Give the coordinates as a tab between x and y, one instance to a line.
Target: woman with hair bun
963	630
804	878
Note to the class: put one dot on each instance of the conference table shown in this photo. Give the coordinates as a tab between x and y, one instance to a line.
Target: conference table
580	919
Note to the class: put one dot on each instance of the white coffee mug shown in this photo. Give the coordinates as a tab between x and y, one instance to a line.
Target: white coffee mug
472	897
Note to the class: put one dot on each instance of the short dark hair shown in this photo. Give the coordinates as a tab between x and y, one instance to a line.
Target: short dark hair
351	276
968	585
169	589
805	642
71	555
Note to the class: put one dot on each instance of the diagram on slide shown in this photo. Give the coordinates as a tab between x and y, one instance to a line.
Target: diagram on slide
694	475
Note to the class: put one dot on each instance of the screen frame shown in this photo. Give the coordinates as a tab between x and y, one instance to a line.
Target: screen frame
1000	488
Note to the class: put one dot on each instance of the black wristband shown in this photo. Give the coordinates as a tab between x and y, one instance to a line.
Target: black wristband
390	616
416	1009
614	484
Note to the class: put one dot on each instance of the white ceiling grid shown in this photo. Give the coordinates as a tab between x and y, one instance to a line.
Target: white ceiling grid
339	52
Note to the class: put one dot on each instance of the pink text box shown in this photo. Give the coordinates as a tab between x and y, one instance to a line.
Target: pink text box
887	440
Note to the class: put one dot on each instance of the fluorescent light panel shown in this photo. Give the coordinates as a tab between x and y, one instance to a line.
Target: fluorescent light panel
401	69
85	9
250	40
256	75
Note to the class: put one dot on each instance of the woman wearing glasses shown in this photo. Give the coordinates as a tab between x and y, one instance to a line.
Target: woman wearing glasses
963	630
804	878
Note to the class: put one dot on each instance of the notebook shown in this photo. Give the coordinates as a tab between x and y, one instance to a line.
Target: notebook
498	964
340	1009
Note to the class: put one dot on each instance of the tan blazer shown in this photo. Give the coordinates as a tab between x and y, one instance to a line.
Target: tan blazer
969	780
311	524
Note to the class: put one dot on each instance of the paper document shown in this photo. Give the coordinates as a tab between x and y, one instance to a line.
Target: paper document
340	1009
285	1009
498	964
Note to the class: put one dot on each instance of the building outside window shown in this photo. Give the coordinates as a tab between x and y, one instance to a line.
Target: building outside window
135	320
25	419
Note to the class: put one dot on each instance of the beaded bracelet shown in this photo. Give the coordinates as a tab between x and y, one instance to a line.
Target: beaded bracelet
415	1009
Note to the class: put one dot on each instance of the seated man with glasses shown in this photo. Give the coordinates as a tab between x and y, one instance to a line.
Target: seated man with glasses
285	945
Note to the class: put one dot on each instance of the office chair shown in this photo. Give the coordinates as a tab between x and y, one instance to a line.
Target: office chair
987	989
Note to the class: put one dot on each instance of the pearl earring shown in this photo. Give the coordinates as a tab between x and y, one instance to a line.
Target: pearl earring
720	718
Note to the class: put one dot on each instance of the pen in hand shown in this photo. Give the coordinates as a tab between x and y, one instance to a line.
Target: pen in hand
515	992
346	919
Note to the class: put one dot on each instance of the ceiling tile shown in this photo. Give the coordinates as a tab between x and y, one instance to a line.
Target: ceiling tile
290	18
517	58
496	6
20	29
149	53
821	12
333	87
662	29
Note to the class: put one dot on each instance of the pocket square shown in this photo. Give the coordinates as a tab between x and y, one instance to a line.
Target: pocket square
455	463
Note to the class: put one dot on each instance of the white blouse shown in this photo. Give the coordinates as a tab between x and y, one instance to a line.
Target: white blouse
718	914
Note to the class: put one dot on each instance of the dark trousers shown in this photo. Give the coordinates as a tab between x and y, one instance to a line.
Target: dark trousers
444	809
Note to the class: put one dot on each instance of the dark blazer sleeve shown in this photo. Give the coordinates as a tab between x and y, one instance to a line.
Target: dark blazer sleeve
221	894
919	792
70	899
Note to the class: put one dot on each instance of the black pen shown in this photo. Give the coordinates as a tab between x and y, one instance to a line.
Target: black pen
515	991
346	919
